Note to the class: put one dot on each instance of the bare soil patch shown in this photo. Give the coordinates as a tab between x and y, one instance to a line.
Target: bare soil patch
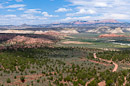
103	83
75	42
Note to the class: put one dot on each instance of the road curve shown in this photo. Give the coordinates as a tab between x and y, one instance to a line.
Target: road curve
109	61
116	67
89	82
125	81
94	54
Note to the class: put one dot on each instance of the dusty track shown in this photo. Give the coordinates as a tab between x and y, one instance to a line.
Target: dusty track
109	61
100	63
89	82
125	81
116	67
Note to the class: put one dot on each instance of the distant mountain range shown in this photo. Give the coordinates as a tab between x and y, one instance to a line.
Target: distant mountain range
78	23
96	21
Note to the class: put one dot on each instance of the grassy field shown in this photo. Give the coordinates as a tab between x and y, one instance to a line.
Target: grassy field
94	41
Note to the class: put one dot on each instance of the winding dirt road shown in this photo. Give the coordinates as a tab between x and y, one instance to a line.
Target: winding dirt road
89	82
116	67
125	81
109	61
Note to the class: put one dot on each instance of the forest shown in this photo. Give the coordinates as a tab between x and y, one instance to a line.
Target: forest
63	66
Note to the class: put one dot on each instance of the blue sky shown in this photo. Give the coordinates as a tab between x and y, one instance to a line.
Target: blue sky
16	12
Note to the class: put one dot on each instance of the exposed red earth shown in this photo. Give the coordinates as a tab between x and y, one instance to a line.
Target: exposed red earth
103	83
100	63
28	40
111	35
52	33
27	79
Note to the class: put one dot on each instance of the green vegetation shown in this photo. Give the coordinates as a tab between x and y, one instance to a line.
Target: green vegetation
96	42
61	66
22	79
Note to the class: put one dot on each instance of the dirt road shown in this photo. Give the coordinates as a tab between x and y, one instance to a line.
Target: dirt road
89	82
125	81
109	61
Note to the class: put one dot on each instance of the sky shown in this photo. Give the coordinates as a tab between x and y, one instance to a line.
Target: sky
17	12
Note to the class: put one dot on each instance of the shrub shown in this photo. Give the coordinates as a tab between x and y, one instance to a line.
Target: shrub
38	81
8	80
22	79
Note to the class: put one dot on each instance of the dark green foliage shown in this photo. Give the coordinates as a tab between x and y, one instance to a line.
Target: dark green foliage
8	80
22	79
93	83
38	81
58	64
115	55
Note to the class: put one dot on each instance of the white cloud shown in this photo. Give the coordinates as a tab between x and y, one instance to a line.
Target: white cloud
32	11
82	11
63	10
20	8
31	16
16	6
101	4
9	10
115	16
21	19
18	0
90	11
75	18
47	15
114	9
10	16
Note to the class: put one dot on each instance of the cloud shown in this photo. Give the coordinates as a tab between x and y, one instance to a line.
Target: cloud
115	16
100	4
82	11
90	3
47	15
16	6
63	10
18	0
31	16
32	11
115	9
1	6
10	16
75	18
9	10
21	19
20	8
